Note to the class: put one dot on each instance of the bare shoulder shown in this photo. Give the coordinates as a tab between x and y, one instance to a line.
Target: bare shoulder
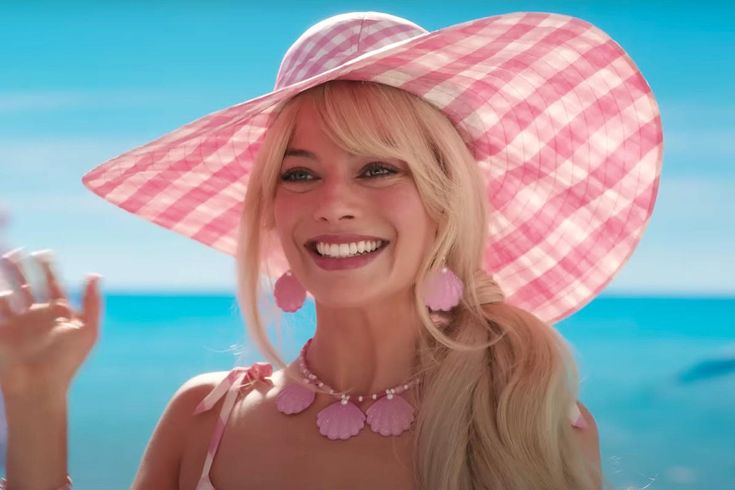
197	387
159	468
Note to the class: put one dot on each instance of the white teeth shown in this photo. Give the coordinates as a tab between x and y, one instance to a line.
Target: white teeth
347	249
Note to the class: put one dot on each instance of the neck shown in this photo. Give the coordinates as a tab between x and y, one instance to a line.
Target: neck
367	349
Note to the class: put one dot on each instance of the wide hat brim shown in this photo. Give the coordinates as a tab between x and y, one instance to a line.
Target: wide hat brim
564	127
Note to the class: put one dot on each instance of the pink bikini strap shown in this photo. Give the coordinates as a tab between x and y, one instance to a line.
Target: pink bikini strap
235	379
258	371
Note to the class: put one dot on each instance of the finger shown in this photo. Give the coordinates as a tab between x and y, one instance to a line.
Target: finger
6	311
59	310
92	302
36	323
26	296
45	259
46	314
11	262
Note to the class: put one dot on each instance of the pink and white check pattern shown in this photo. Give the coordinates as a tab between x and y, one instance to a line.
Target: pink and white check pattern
563	125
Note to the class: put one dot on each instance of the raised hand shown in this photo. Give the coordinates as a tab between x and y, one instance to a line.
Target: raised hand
43	344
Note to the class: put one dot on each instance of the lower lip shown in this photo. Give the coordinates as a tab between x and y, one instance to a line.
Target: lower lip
332	264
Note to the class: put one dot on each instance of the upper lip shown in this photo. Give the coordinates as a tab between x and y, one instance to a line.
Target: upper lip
342	238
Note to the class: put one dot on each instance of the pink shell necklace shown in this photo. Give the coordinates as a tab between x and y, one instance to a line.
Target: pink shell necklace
390	415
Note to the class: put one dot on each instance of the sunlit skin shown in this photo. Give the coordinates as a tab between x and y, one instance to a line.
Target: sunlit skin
366	322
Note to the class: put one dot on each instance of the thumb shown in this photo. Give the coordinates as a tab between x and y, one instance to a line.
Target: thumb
92	302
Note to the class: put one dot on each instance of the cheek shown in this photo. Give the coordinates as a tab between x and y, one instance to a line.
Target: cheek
411	219
285	216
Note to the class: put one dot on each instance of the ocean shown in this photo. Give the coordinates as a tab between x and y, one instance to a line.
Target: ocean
658	374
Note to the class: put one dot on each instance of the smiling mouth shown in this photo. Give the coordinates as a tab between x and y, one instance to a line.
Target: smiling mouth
346	250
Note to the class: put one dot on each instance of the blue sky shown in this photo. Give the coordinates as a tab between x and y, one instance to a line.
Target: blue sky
83	82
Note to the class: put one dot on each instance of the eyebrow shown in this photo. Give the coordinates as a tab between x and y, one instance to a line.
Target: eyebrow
297	152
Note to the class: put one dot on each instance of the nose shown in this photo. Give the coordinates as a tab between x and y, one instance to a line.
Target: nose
335	201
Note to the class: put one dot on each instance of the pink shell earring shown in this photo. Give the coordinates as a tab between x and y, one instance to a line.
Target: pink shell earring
442	290
289	292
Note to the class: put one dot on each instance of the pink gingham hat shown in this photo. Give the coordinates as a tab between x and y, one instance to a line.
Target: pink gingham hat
564	127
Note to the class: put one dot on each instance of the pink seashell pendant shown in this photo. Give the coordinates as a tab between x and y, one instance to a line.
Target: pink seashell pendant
294	398
289	292
340	420
390	416
442	290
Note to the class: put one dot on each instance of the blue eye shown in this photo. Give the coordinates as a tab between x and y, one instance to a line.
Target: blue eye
296	175
370	171
381	169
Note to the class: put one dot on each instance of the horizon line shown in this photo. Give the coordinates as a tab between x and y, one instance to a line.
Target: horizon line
232	293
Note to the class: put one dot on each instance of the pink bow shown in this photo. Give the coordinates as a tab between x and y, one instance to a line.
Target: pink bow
257	372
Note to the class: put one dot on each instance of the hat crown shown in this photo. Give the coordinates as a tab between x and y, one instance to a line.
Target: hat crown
339	39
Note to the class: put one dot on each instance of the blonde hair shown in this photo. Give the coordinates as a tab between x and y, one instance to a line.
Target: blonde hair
506	424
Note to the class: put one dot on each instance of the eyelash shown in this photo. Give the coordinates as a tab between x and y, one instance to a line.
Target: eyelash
286	177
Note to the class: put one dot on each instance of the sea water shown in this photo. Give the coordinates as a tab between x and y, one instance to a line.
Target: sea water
658	374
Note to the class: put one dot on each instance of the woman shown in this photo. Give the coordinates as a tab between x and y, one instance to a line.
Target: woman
400	178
